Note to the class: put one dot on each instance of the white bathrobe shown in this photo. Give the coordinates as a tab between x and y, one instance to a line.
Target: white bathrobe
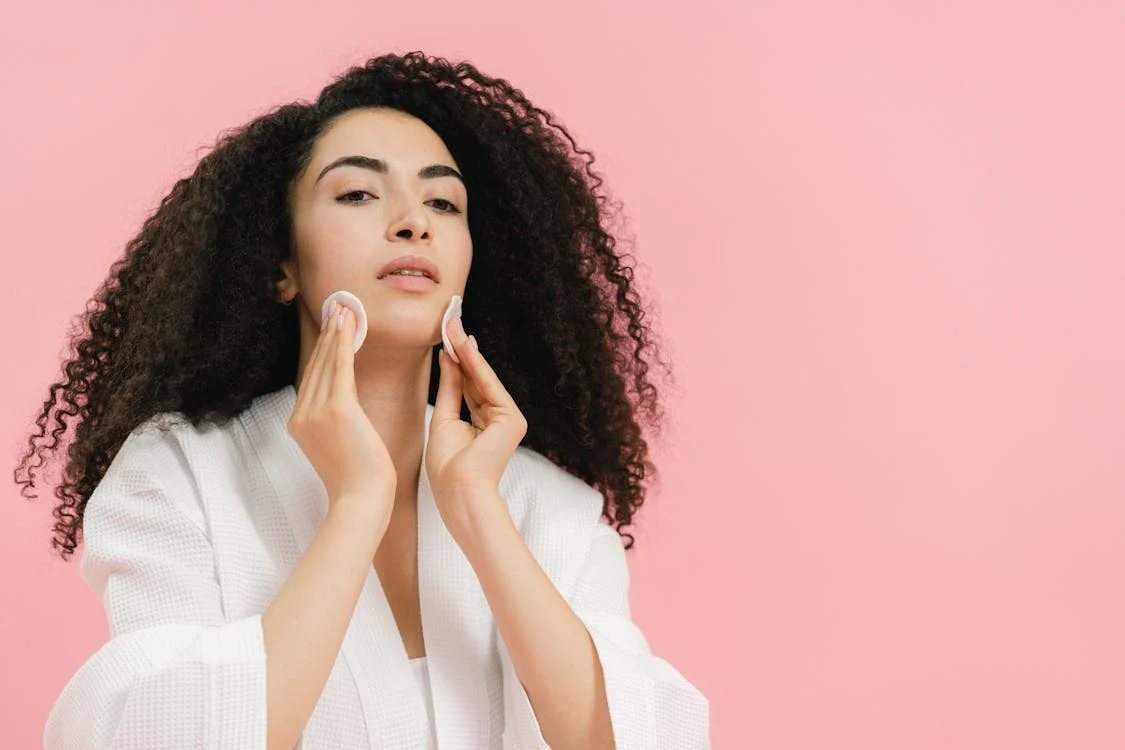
189	537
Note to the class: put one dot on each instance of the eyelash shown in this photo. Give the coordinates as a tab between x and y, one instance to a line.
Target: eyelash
451	210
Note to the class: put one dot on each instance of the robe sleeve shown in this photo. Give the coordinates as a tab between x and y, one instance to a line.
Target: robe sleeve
174	673
651	705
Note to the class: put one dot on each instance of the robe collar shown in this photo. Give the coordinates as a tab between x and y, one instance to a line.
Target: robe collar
457	624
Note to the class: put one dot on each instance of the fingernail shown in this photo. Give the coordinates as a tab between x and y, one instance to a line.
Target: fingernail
324	321
473	341
340	319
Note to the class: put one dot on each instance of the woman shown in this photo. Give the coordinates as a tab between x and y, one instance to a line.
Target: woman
302	544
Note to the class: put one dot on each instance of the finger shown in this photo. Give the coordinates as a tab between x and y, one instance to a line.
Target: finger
447	402
328	356
311	375
484	411
343	380
483	381
315	365
498	436
476	404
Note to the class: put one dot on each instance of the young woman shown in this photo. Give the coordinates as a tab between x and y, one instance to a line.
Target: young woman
298	543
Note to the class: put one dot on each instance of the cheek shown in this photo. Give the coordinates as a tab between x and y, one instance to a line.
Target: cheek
464	262
326	222
329	246
326	266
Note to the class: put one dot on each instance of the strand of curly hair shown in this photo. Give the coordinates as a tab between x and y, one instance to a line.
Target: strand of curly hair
187	320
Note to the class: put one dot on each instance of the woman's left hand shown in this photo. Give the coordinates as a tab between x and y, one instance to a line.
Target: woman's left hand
465	461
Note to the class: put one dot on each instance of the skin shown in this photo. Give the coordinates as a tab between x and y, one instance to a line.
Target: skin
342	240
347	224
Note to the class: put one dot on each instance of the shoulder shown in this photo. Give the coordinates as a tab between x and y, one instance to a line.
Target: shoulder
558	515
149	473
549	504
150	453
169	451
542	486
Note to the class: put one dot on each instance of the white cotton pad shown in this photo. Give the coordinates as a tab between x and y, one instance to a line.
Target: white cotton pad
350	301
453	309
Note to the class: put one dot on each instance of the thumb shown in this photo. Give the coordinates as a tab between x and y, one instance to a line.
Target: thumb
447	403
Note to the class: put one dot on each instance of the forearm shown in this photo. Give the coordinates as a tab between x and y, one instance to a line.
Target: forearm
305	624
550	647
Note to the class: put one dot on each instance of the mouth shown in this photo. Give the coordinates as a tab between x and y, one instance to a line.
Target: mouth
411	266
410	274
410	281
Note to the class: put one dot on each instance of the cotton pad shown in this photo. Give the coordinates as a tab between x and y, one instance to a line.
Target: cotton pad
454	309
350	301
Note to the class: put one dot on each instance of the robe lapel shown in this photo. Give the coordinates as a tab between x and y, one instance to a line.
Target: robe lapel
389	693
457	624
459	631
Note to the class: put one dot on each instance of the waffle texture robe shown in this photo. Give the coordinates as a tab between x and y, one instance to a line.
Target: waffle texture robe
192	533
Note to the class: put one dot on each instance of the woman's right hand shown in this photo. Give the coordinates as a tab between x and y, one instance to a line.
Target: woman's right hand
333	430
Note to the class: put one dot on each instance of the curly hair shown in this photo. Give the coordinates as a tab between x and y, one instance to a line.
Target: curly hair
188	321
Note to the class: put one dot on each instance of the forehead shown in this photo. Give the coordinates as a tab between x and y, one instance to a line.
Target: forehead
401	140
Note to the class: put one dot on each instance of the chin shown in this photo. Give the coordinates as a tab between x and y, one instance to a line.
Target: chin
402	336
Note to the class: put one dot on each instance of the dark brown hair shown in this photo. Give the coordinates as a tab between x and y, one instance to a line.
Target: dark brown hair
188	321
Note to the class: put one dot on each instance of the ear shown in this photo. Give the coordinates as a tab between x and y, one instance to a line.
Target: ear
288	287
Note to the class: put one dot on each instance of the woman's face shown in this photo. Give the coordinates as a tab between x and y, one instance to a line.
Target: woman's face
350	220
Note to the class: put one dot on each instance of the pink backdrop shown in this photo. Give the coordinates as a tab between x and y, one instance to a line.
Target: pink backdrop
886	244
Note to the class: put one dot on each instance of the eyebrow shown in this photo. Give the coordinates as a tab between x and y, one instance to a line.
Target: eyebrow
378	165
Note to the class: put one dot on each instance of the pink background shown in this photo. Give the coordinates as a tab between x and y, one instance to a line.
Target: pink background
886	245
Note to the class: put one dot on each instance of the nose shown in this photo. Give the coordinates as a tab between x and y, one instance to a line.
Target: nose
412	224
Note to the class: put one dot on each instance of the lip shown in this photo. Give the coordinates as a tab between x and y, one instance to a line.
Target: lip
410	283
416	262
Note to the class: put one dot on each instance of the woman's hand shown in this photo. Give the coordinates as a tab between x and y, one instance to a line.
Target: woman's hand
465	461
333	430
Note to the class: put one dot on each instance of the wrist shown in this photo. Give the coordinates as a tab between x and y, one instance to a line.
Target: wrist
368	510
478	519
373	497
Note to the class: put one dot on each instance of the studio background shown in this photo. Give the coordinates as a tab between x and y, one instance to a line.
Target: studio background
883	244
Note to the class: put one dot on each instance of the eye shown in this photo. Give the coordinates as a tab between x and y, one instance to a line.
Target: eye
354	192
452	208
